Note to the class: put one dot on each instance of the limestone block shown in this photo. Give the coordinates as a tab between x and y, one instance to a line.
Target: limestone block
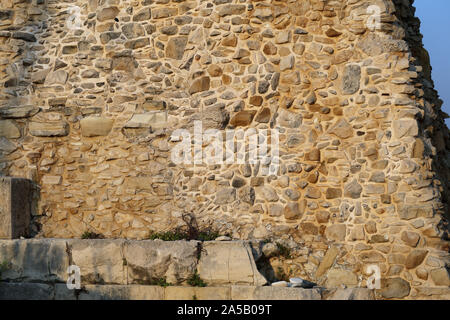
394	288
100	261
63	293
405	128
15	112
49	129
175	47
9	129
26	291
96	126
200	293
351	79
273	293
122	292
229	263
15	207
34	260
337	277
350	294
154	120
148	260
57	77
440	277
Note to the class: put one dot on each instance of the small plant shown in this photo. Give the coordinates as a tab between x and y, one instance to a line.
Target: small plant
208	235
284	251
168	236
196	281
91	235
194	297
162	282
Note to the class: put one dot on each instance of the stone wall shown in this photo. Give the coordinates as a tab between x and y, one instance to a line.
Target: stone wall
90	101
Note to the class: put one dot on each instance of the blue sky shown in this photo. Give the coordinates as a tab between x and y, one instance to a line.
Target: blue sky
434	15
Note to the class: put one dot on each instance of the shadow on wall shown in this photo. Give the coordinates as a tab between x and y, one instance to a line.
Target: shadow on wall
20	24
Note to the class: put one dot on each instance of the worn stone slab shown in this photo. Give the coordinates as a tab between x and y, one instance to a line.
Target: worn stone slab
121	292
35	260
99	260
149	260
199	293
273	293
350	294
63	293
231	262
15	207
26	291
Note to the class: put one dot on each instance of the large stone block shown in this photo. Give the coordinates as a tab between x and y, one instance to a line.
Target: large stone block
154	120
96	126
100	261
350	294
199	293
224	263
148	260
15	207
273	293
26	291
49	129
121	292
42	260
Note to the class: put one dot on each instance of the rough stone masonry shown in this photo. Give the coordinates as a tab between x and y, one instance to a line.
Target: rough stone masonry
92	90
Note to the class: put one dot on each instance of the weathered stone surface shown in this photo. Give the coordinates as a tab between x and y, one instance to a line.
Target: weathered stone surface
154	120
26	291
49	129
107	13
336	232
337	277
225	195
351	79
440	277
361	140
415	258
394	288
327	261
199	85
273	293
149	261
342	129
42	260
353	190
228	263
9	129
100	261
121	292
205	293
96	126
175	47
56	77
15	207
350	294
16	112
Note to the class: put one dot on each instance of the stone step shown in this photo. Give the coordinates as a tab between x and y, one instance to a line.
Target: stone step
40	291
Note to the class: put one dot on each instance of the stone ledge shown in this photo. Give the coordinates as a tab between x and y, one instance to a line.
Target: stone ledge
38	291
109	261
